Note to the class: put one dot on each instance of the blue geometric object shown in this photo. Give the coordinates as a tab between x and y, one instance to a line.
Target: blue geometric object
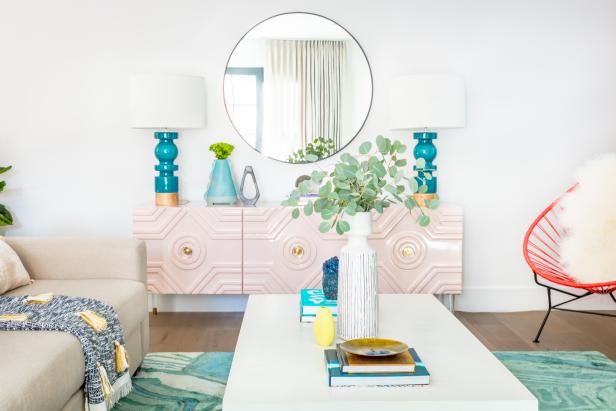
427	150
166	152
330	278
222	188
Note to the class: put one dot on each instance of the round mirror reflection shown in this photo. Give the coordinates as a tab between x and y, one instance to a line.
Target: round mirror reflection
298	87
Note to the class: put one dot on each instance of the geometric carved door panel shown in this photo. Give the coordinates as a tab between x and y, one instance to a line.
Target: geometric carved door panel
414	259
192	250
282	254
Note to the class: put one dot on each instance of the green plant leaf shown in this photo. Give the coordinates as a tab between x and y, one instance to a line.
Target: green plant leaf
5	216
401	148
423	220
350	208
304	187
379	170
393	171
428	176
311	158
391	189
325	190
308	208
365	147
378	206
324	227
295	213
401	163
2	185
318	176
410	203
5	169
422	189
413	185
342	227
433	204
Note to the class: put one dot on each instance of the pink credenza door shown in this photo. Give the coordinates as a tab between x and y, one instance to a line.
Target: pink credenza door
192	250
283	255
413	259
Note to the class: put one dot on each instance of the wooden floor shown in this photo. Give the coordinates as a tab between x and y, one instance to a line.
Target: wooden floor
198	332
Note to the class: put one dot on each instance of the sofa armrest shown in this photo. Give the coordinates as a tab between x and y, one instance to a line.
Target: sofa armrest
70	258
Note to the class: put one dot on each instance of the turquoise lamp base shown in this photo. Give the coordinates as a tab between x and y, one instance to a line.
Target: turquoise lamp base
166	183
426	150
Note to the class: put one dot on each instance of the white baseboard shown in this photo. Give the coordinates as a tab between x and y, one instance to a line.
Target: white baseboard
473	299
505	299
198	303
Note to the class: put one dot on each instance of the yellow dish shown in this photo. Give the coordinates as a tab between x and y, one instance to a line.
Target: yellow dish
373	347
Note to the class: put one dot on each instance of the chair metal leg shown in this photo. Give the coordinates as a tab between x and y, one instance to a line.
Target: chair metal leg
613	297
547	314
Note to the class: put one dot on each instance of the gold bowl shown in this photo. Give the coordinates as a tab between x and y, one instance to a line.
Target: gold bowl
373	347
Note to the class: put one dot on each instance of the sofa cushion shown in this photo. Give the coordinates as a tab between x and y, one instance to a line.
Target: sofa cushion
13	274
128	298
41	370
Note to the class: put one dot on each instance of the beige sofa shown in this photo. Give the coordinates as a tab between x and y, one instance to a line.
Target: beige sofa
45	370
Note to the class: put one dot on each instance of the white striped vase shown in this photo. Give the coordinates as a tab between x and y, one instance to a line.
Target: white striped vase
358	308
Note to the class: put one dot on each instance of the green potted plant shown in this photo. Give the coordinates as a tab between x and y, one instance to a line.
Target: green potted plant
373	180
222	188
5	215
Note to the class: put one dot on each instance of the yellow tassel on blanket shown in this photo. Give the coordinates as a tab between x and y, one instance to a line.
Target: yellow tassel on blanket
105	384
39	299
14	317
94	320
121	357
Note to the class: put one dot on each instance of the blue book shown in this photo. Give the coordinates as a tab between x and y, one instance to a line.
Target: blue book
337	378
311	299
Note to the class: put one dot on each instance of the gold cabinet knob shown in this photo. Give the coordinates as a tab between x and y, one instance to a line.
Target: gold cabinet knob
297	251
187	251
407	251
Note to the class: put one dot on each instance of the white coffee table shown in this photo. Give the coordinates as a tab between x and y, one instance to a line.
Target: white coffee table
278	367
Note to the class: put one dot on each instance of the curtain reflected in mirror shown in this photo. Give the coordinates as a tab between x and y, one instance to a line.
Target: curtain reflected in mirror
298	88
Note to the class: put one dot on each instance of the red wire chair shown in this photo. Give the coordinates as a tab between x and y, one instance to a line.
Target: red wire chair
542	253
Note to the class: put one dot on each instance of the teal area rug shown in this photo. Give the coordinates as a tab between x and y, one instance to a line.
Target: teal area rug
179	381
565	380
561	380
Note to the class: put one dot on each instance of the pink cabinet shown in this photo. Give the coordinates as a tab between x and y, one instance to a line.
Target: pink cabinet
192	249
195	249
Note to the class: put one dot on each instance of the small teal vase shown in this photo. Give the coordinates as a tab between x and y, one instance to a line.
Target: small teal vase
222	188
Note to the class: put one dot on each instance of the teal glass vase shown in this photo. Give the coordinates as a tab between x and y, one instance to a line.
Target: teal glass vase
222	188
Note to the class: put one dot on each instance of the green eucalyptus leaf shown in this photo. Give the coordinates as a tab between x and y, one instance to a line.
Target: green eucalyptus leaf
327	213
379	170
311	158
365	147
325	190
433	204
410	203
413	185
393	171
324	227
401	163
378	206
423	189
304	187
308	208
295	213
423	220
344	226
391	189
401	148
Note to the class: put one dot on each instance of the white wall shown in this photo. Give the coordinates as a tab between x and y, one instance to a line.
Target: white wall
541	99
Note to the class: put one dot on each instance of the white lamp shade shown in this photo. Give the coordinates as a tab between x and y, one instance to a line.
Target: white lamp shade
167	101
427	101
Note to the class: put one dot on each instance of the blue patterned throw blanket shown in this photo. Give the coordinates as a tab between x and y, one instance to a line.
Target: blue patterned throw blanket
93	323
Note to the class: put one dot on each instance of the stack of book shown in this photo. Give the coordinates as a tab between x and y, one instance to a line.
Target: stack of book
311	299
348	370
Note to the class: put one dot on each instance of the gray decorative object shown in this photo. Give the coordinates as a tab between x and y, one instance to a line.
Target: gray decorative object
249	201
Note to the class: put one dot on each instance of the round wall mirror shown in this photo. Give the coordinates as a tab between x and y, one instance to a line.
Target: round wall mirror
298	87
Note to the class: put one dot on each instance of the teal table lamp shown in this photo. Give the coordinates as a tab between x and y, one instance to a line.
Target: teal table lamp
167	102
425	103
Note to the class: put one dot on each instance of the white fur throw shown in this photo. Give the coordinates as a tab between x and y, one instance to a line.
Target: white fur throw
589	214
12	271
